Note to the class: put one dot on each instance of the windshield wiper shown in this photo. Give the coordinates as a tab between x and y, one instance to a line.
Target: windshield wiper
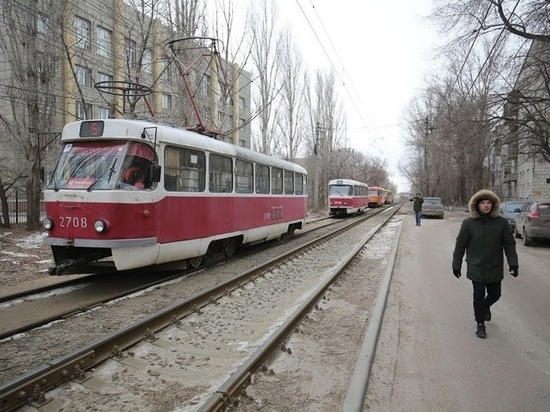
111	171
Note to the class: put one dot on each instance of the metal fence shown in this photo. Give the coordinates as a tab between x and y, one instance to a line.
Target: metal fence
17	206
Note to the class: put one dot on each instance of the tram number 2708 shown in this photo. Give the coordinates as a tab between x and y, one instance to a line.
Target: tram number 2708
76	222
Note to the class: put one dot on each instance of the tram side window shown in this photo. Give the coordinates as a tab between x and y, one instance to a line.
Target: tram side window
136	167
184	170
221	174
289	182
277	181
262	179
244	176
300	184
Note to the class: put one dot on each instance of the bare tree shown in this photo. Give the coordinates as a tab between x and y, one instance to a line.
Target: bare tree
265	46
30	101
528	105
375	171
450	127
327	113
509	24
291	119
468	19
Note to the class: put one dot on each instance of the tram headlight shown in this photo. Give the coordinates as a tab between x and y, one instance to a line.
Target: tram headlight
100	226
47	223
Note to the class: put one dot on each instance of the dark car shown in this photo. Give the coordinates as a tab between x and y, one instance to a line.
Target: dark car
433	206
509	210
533	222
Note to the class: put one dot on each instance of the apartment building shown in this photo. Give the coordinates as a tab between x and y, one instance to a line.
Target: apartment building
105	58
519	169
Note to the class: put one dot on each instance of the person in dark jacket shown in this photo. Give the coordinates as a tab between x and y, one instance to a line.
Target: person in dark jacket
484	236
417	207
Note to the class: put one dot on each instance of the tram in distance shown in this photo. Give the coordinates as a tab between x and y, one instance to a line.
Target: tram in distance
128	194
377	196
347	197
388	197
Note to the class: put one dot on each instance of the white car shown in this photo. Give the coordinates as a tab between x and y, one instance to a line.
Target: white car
433	206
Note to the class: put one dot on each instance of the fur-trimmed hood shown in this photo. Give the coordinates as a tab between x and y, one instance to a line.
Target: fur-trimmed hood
483	194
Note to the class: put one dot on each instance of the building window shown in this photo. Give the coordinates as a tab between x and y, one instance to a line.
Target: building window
82	30
104	42
146	62
82	109
166	101
103	77
130	49
42	24
205	85
83	75
242	103
103	112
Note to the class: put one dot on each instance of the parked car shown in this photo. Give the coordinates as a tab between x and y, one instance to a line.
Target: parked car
509	210
433	206
533	222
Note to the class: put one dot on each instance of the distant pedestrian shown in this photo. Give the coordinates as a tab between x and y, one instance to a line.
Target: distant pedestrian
484	236
417	207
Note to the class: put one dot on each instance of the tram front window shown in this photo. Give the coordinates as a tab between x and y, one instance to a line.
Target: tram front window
103	166
341	190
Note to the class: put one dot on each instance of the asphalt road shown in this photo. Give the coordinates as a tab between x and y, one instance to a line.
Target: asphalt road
428	357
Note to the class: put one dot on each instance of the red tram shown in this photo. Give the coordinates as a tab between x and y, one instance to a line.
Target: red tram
127	194
346	197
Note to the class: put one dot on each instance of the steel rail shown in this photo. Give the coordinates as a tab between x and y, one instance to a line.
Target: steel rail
32	386
80	309
229	389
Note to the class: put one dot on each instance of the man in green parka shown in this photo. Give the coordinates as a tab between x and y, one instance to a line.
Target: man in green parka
484	236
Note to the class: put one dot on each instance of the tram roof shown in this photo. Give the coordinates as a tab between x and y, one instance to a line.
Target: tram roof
346	182
133	129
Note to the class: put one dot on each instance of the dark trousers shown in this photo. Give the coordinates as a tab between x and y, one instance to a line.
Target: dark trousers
481	301
418	216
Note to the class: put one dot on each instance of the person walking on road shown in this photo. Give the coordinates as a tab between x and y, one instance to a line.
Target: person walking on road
417	207
484	236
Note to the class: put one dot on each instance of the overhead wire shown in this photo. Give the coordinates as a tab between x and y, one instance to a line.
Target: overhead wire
491	51
345	84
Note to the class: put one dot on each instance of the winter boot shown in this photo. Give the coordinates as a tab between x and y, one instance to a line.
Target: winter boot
480	331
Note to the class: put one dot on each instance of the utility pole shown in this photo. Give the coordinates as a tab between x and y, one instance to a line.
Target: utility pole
316	161
427	130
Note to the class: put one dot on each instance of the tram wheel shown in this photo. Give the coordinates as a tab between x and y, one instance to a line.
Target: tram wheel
229	246
195	262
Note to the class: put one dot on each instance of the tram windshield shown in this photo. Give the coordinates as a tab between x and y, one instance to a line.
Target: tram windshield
103	165
340	190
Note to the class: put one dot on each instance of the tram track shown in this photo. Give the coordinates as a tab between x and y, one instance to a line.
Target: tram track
98	352
23	310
